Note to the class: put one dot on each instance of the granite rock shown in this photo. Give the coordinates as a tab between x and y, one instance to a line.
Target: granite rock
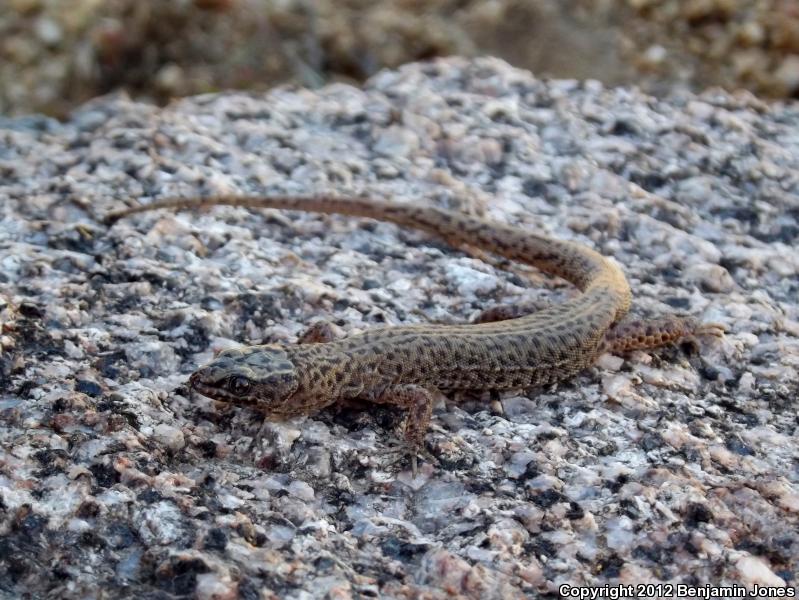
676	466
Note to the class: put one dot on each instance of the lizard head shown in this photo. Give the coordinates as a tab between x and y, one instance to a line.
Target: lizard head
259	376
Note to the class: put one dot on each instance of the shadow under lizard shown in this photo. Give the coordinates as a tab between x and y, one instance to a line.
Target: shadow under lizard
404	365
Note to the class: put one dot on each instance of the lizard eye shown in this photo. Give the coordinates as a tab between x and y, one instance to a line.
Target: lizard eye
238	384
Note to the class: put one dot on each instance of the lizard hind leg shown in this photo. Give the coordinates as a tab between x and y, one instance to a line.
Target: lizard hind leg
638	334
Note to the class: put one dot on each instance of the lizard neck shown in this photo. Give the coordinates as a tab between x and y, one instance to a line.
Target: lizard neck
333	371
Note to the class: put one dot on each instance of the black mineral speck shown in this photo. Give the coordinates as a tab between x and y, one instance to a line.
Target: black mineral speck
615	485
88	387
178	574
91	539
534	188
734	444
540	546
341	304
150	496
32	525
651	553
630	508
610	566
531	471
215	539
250	590
608	449
52	460
709	372
651	441
24	388
207	448
108	363
31	310
323	564
786	575
575	511
676	302
696	513
88	509
623	128
34	338
370	284
120	535
547	498
104	475
649	180
398	549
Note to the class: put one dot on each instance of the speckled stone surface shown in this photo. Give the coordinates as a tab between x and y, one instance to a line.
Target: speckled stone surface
671	466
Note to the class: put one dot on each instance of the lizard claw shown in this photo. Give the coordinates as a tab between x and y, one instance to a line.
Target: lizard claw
399	451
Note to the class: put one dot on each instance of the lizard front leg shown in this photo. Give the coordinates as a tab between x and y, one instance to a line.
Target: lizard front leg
418	404
319	332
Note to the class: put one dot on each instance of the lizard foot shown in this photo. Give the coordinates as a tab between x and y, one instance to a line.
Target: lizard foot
636	334
418	402
399	451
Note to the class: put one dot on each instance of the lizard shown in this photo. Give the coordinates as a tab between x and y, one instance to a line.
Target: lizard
406	365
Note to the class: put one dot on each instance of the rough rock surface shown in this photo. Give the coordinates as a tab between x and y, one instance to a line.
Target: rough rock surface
669	466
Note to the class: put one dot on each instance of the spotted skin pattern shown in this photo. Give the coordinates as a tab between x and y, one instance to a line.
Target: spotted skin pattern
405	365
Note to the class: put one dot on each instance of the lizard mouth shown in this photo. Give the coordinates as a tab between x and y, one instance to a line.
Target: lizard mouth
199	383
219	395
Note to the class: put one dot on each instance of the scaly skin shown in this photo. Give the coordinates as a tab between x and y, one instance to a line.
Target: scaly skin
403	365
